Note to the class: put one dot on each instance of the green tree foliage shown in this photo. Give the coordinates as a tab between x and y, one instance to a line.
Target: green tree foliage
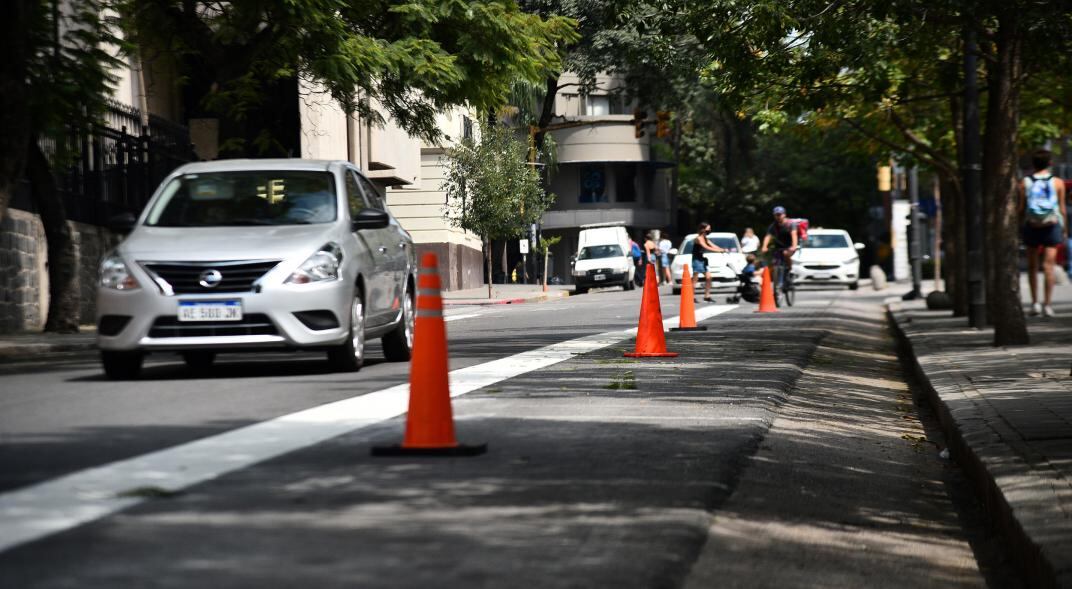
54	77
890	71
492	190
411	58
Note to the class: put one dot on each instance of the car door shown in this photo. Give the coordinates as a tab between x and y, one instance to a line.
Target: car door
396	244
374	268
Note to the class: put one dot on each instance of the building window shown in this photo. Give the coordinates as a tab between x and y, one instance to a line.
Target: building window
593	184
625	183
467	127
597	105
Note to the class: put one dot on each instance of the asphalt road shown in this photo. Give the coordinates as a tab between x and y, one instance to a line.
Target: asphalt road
601	471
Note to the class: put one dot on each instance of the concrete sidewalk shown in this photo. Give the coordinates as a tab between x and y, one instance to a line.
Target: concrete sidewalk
505	294
1007	413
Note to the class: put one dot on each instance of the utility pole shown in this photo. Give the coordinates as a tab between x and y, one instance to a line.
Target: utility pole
972	172
915	250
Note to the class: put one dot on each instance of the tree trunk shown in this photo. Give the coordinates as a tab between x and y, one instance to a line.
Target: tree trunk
1000	164
954	245
487	261
14	96
63	287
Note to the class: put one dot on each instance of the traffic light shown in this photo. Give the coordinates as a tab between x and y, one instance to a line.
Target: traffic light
638	122
662	124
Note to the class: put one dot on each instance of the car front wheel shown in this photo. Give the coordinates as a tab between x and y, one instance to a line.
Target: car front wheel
398	344
122	365
349	355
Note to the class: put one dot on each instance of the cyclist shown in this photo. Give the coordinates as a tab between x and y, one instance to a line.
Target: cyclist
782	235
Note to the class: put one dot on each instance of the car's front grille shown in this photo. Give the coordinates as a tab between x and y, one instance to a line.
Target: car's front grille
252	324
187	277
821	266
600	271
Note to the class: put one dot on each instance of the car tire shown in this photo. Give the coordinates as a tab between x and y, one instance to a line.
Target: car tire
398	343
199	360
350	355
854	286
629	284
122	365
580	290
676	290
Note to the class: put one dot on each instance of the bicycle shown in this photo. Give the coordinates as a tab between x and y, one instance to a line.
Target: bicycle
782	281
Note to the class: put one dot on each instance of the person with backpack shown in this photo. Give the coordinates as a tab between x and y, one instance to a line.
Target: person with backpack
1042	204
638	261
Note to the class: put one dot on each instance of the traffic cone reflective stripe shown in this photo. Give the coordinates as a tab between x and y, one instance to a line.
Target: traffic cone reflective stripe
650	342
687	313
430	420
766	294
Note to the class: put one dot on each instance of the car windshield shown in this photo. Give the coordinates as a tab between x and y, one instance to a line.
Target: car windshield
722	241
594	252
268	197
826	241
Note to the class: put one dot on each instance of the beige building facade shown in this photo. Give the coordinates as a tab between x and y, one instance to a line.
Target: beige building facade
605	174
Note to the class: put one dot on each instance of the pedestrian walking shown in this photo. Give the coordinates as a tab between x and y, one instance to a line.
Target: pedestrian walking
664	247
638	262
701	246
749	241
1042	204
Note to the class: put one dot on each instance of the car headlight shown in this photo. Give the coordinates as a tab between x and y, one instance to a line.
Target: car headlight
579	272
320	267
115	274
851	261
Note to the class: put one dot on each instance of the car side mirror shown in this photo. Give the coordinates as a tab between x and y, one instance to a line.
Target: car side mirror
673	251
122	223
859	246
370	219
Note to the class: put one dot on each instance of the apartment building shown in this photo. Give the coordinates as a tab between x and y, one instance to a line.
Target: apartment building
605	173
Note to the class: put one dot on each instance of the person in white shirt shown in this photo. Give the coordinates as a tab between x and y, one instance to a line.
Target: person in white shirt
663	248
749	242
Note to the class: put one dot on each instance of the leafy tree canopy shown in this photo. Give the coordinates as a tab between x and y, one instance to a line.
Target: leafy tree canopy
413	57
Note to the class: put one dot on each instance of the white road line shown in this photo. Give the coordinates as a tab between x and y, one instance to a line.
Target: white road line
457	317
63	503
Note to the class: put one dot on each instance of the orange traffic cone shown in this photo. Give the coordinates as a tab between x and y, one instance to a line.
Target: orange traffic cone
687	315
766	294
430	421
650	340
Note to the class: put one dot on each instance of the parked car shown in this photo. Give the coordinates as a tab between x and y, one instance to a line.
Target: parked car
603	258
240	255
828	256
724	267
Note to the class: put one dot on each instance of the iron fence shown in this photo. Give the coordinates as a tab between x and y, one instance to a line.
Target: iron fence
114	166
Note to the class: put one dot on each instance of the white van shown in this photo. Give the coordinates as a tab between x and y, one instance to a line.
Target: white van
603	258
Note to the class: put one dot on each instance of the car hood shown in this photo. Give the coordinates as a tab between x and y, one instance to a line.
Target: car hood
835	255
224	243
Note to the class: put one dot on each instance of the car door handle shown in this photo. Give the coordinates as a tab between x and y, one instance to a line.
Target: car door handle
381	249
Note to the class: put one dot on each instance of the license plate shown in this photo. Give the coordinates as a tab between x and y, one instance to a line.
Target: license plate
598	277
822	276
210	310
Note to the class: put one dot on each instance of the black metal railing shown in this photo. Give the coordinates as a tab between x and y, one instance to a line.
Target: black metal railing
113	166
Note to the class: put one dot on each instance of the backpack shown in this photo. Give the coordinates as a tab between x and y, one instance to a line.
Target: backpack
801	226
634	250
1042	207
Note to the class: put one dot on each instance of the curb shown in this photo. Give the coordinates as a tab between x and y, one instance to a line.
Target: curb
510	301
981	443
11	352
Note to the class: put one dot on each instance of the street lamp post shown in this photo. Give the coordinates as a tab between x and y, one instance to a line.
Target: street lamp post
914	246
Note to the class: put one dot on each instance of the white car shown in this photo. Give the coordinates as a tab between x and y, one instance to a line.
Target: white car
724	267
828	256
240	255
